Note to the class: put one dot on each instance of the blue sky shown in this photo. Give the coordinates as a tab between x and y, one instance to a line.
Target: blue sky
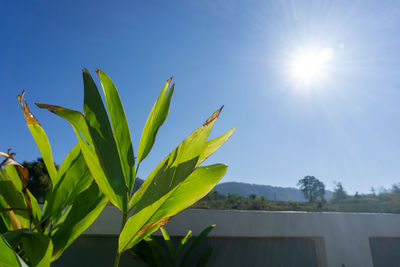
344	127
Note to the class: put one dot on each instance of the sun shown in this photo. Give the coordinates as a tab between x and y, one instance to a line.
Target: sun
310	66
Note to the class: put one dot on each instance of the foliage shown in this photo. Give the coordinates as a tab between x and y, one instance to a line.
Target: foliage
387	202
339	193
72	203
104	139
156	255
39	180
312	188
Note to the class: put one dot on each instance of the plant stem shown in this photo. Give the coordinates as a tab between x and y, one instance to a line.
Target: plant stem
137	169
118	255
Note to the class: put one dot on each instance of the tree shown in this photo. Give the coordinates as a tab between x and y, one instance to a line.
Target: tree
339	193
253	196
373	190
39	181
312	188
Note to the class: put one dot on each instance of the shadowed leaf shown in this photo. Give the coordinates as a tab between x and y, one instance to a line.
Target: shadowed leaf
103	140
8	258
87	207
78	123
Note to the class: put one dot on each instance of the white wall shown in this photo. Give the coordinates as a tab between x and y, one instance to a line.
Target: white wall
345	236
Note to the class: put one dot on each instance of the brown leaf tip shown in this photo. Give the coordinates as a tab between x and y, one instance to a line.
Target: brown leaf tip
51	108
214	116
29	118
97	71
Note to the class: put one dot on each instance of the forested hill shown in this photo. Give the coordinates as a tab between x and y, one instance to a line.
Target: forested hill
274	193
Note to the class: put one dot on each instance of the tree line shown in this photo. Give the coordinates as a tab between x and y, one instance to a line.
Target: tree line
312	189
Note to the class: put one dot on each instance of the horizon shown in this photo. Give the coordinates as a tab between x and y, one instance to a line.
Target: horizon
311	86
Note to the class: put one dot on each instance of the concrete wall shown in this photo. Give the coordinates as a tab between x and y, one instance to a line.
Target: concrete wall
262	238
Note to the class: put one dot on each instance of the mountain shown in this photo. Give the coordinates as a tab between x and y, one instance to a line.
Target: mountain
269	192
243	189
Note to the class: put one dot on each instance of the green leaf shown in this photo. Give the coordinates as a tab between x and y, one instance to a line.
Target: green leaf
14	198
157	116
14	237
13	176
150	252
36	211
19	176
40	137
8	258
86	208
78	122
103	139
162	183
75	118
179	163
193	188
182	244
213	145
120	128
195	244
74	178
167	239
158	252
38	248
4	221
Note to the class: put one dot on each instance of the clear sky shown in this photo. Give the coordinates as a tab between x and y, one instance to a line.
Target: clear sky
343	125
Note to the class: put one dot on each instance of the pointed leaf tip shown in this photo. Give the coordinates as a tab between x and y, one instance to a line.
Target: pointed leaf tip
51	108
213	116
29	118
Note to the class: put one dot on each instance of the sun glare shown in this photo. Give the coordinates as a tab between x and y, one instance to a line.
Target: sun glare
309	66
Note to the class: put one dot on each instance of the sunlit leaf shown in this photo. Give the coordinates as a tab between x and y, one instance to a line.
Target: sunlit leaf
157	116
120	128
167	239
40	137
74	178
19	176
74	117
181	244
14	199
193	188
213	145
179	163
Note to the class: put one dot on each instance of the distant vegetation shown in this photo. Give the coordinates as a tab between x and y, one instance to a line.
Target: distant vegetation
242	196
274	193
387	201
